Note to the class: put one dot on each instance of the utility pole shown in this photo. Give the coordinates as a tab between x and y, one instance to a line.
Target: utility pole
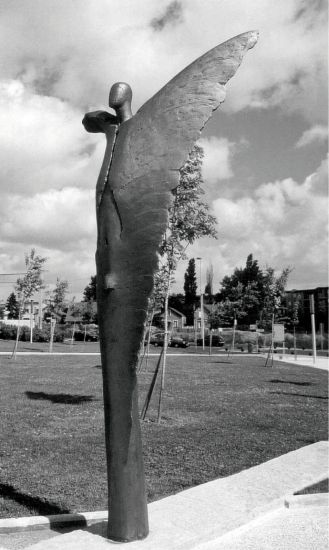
201	304
321	335
31	322
313	326
233	335
40	309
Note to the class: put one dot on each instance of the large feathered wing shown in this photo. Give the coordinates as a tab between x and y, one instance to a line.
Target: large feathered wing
148	152
163	132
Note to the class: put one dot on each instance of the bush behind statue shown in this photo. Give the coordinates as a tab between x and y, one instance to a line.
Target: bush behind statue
303	340
8	332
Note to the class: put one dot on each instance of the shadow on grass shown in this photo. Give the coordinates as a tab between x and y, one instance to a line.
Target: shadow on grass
42	507
65	398
300	394
292	382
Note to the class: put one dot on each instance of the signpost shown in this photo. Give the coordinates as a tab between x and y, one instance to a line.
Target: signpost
321	335
233	337
313	327
278	334
52	332
275	337
31	322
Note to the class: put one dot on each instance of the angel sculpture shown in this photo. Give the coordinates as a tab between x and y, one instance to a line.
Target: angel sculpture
134	191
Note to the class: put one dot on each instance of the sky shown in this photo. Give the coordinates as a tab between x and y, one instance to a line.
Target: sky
265	165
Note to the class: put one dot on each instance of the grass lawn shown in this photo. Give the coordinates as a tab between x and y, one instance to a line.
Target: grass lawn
65	347
220	416
90	347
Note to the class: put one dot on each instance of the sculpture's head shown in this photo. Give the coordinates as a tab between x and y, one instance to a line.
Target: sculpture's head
120	100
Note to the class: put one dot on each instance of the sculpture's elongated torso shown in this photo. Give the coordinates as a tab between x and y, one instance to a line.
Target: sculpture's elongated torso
134	192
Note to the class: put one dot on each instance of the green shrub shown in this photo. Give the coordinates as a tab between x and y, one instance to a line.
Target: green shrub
289	340
7	332
304	341
324	341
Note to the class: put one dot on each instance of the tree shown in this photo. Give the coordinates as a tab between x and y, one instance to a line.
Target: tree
190	282
156	302
177	301
232	309
89	297
12	306
252	294
89	293
57	298
28	285
245	289
189	219
209	291
190	288
274	286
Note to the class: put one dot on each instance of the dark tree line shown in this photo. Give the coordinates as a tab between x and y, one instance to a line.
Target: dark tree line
250	295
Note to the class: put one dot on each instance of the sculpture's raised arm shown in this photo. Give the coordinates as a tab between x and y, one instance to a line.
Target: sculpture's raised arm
141	166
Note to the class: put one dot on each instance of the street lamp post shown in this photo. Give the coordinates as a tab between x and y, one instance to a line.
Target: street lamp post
201	304
313	327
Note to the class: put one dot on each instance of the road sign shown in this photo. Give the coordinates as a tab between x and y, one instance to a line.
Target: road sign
278	332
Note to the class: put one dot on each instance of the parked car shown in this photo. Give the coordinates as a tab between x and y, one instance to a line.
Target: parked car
173	341
156	339
178	342
217	341
87	334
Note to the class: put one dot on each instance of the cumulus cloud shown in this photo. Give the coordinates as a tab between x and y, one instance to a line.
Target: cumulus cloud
60	224
282	223
317	133
85	46
54	219
217	162
56	68
42	142
172	16
76	266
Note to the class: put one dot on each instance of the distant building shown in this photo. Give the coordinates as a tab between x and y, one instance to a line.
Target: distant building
207	310
30	315
176	319
320	307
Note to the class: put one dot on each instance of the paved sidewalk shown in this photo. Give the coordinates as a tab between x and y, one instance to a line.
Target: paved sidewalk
304	528
305	360
209	515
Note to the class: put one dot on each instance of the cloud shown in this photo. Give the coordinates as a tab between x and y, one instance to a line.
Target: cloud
217	162
60	224
84	47
42	142
282	223
172	15
56	68
59	219
317	133
74	266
